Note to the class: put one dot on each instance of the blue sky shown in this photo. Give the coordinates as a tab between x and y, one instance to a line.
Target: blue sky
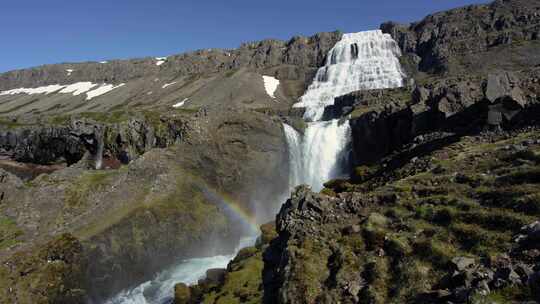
35	32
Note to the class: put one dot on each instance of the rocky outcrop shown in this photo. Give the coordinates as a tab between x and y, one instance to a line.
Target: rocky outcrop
468	278
127	140
384	120
465	39
239	283
42	145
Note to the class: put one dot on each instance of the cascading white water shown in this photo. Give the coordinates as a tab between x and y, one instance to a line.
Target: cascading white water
319	154
359	61
160	289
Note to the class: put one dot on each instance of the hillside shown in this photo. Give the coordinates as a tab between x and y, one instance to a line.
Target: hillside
113	171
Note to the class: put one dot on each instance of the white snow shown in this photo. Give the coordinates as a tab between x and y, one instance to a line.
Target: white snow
270	84
103	62
103	89
78	88
69	71
168	84
160	60
181	103
30	91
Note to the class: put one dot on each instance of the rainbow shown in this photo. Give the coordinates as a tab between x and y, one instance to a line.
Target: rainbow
232	208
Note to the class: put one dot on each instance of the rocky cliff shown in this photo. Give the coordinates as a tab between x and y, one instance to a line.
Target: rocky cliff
471	39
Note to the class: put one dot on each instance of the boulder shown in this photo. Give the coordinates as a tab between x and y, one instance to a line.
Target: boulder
182	294
462	263
529	236
504	86
215	276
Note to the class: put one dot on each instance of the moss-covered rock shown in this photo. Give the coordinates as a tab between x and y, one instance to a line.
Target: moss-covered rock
52	273
182	294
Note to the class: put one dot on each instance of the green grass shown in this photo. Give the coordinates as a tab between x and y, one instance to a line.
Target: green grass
89	182
18	107
242	284
11	124
9	232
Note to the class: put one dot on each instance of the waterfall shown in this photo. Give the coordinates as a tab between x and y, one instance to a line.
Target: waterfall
359	61
100	143
319	154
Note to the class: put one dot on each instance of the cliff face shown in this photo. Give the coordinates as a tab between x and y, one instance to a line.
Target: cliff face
470	39
383	121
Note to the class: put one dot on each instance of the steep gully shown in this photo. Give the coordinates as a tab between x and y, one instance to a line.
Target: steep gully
359	61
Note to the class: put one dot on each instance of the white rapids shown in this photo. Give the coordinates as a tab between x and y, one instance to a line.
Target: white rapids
160	289
359	61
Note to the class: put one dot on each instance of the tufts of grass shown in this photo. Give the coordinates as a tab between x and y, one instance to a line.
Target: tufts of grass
242	283
90	181
9	232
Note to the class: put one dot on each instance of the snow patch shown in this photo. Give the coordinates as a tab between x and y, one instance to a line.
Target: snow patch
103	89
31	91
78	88
103	62
69	71
168	84
270	84
160	60
181	103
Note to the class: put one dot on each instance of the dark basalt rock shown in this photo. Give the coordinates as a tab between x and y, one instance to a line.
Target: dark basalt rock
449	42
52	144
384	120
41	145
